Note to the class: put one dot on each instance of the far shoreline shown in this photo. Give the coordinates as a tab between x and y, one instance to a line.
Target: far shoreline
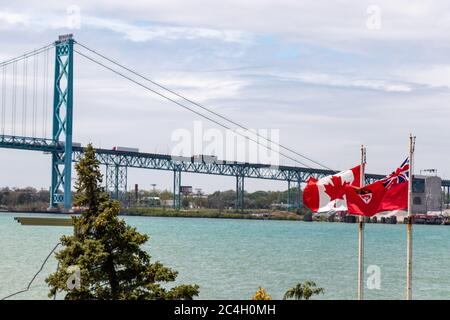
216	214
287	216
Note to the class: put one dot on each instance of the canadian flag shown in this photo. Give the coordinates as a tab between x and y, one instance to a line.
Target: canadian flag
328	194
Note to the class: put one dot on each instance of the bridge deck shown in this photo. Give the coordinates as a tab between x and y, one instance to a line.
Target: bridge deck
175	163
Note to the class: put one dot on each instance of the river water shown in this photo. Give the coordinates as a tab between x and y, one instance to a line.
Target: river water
229	258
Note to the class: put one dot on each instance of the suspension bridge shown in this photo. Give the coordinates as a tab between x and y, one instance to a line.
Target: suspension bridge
27	109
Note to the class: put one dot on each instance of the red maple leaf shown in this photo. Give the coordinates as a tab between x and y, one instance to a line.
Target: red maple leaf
336	189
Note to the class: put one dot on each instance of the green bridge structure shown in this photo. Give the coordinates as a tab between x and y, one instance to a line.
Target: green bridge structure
64	153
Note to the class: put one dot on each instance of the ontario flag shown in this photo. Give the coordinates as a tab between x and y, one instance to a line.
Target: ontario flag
328	193
387	194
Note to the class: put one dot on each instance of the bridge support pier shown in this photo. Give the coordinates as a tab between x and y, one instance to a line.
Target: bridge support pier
116	181
448	196
299	196
239	204
289	195
177	189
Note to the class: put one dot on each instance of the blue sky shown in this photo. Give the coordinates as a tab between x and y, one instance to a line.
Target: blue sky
312	69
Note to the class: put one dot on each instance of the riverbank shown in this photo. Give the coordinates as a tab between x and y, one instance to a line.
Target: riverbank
254	214
190	213
212	213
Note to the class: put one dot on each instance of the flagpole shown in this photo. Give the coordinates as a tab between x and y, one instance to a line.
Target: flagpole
361	232
410	217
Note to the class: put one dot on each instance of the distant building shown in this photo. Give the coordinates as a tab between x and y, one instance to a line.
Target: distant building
278	206
427	194
151	201
186	190
167	203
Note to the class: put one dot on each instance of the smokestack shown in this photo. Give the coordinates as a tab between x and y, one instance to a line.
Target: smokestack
136	192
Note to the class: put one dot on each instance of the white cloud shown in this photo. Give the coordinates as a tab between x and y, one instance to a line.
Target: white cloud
204	87
431	75
11	19
337	24
137	33
346	81
128	29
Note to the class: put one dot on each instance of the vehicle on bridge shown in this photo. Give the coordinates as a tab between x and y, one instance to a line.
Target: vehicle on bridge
62	143
125	149
74	144
204	158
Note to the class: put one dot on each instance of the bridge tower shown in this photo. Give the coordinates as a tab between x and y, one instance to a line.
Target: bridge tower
62	123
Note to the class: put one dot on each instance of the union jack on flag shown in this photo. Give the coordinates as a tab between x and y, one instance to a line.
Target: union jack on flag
400	175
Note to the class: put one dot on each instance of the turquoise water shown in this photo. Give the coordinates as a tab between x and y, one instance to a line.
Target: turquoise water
229	259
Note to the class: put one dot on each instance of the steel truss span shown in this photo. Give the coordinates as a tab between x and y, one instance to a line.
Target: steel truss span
117	162
174	163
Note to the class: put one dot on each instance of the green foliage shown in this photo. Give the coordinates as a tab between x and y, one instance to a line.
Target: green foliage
261	294
222	200
32	199
207	213
303	291
254	200
108	251
28	198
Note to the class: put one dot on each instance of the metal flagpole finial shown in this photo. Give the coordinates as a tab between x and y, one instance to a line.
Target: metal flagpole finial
412	140
363	154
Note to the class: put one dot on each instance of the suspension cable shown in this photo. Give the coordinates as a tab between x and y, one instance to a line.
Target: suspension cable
24	97
185	107
14	99
3	99
45	49
44	73
201	106
34	110
46	79
26	55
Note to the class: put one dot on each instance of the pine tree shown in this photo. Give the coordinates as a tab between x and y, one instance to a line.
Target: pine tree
107	251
